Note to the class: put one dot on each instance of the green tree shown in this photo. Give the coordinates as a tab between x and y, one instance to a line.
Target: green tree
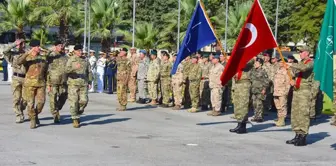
42	35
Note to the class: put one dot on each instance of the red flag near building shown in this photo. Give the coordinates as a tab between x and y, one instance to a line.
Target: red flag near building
255	37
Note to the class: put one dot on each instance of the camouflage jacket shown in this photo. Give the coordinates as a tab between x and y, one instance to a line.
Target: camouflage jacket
195	73
186	69
142	69
153	73
259	80
56	70
307	73
12	58
205	70
281	83
165	69
270	70
36	69
179	73
214	76
134	65
123	70
78	76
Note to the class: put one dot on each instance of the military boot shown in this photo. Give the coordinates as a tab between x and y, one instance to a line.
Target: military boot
192	110
75	123
242	129
164	105
37	119
333	121
153	103
280	122
33	123
301	141
177	107
19	119
210	113
294	140
235	129
80	112
57	118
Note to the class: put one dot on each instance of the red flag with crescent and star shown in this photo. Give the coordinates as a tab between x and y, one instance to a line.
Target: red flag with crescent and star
255	37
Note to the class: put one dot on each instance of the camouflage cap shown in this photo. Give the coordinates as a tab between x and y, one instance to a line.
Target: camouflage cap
304	48
260	60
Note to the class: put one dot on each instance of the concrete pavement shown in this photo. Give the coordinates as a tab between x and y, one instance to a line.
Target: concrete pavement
145	136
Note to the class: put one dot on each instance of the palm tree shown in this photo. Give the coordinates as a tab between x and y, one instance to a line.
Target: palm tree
14	16
42	35
145	36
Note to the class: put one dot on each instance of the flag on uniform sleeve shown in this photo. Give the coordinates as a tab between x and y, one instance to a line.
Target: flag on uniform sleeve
323	63
255	37
199	34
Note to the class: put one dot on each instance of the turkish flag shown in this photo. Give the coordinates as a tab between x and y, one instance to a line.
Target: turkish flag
255	37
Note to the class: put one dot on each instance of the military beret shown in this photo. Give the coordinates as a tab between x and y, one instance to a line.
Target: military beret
291	57
58	42
280	60
124	49
267	54
34	43
217	56
165	53
143	51
304	48
194	56
78	47
260	60
153	52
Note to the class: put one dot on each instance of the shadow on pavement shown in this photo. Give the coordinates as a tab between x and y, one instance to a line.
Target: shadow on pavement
333	146
141	108
316	137
214	123
259	127
66	119
106	121
322	119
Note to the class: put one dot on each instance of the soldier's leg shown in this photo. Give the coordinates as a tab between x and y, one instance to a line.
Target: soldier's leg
30	96
123	96
109	80
206	92
141	89
187	100
17	97
165	85
194	95
63	90
300	119
277	105
216	99
150	90
53	99
23	101
74	101
83	98
224	98
241	107
132	88
312	110
201	91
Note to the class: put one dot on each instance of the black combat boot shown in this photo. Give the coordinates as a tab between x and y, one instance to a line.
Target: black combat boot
301	141
236	129
140	101
204	108
242	129
294	140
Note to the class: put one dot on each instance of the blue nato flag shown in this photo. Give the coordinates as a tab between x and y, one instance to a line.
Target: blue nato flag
199	34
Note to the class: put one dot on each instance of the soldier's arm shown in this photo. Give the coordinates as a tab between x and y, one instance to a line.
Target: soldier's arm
90	75
22	59
69	68
266	80
7	53
303	67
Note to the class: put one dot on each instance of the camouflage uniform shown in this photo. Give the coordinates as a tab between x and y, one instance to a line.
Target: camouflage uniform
177	84
35	82
194	76
56	81
300	119
141	77
19	71
315	91
333	119
165	81
270	70
204	86
123	75
216	87
153	76
260	82
133	78
78	81
186	87
281	88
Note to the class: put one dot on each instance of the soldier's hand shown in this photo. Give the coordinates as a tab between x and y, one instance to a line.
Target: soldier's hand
263	91
49	89
18	41
78	65
89	86
292	82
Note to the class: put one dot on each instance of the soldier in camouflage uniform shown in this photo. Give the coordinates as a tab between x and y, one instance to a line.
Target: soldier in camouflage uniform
204	86
19	71
186	70
133	77
315	88
216	87
241	97
270	70
35	81
260	82
177	84
56	80
165	79
333	119
153	77
300	119
123	74
79	81
142	76
194	76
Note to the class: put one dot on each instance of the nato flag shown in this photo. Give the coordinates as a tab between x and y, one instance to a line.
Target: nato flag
199	34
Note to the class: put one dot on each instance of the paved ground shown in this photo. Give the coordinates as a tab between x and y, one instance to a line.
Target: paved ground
145	136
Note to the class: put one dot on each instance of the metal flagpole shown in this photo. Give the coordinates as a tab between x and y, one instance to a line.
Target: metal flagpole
89	34
133	23
85	33
178	26
276	24
226	23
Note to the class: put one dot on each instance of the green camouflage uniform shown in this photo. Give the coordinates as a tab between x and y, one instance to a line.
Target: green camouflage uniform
300	116
19	71
333	120
153	77
315	91
204	86
194	76
260	82
186	94
35	82
270	70
123	75
56	81
165	81
78	81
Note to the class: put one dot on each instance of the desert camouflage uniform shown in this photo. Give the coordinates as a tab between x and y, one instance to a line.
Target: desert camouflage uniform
19	71
123	75
56	81
165	80
204	86
153	77
216	87
194	76
141	77
133	77
35	82
260	82
177	84
281	88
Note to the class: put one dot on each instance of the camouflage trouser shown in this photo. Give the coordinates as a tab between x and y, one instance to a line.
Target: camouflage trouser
300	119
216	98
177	91
57	97
186	95
281	105
225	97
35	93
142	89
205	92
312	110
194	93
267	104
78	99
258	106
165	89
18	90
132	87
241	100
152	90
122	94
333	119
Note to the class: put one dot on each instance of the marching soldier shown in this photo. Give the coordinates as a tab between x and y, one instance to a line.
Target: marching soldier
204	86
132	80
19	71
35	81
300	119
142	76
216	87
153	77
79	81
92	61
194	77
123	74
177	84
56	80
165	79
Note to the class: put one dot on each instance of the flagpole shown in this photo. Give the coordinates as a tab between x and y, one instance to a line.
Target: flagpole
89	34
133	23
276	22
226	22
178	26
213	29
283	60
85	32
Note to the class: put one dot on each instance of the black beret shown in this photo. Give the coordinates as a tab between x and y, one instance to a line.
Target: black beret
260	60
34	43
153	52
57	42
124	49
280	60
291	57
78	47
165	53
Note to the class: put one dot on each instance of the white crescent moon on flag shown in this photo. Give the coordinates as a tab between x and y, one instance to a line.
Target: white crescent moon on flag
254	32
